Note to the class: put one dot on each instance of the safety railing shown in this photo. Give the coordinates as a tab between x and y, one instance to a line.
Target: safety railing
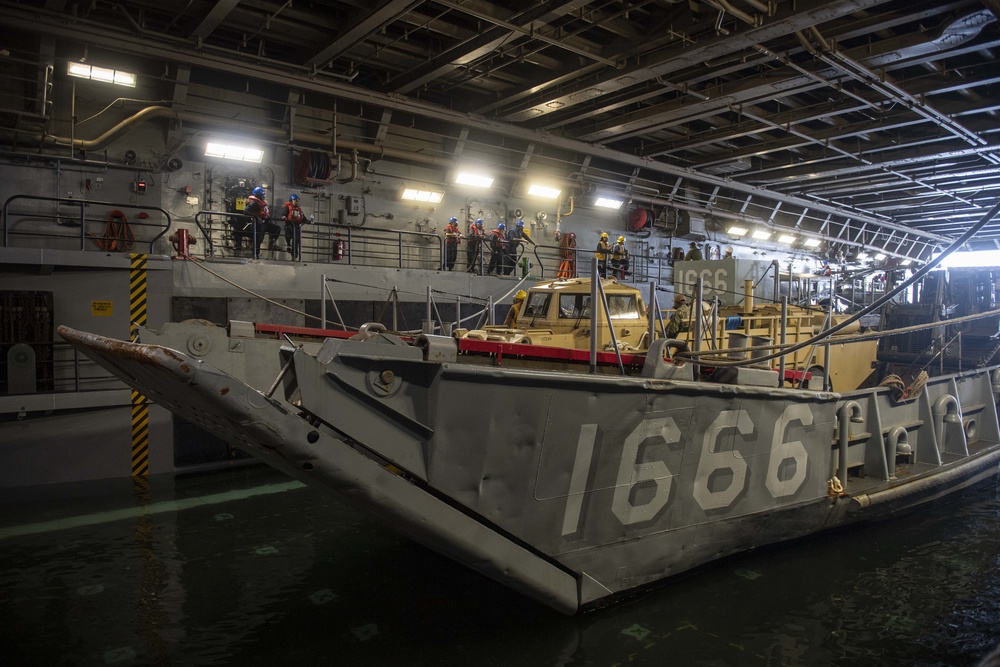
56	222
80	224
224	234
51	368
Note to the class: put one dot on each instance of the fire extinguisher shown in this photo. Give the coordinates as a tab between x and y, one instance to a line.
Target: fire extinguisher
338	248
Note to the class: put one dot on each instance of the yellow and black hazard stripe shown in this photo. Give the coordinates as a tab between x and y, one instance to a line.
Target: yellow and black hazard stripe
140	406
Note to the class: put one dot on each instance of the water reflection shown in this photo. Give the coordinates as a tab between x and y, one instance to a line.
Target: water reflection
186	576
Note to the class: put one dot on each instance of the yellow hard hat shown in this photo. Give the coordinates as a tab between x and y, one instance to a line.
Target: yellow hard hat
604	235
621	239
521	295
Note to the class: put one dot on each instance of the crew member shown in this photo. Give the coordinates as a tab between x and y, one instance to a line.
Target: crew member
514	238
515	310
474	250
293	217
619	258
603	249
729	253
693	253
451	236
679	319
258	209
498	248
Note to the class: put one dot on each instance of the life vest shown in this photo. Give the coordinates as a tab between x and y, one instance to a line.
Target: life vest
602	250
451	233
293	214
262	211
619	252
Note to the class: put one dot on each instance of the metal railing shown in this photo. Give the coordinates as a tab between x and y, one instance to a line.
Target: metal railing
58	369
72	223
53	220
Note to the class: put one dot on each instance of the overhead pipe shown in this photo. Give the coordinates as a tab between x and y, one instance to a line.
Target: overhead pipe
723	5
560	216
829	54
354	168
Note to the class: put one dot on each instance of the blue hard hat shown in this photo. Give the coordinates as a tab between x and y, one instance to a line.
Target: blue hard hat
501	226
258	192
520	223
479	222
293	197
452	219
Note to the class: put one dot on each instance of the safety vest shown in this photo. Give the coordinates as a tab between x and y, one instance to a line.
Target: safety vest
257	207
293	213
602	250
619	252
451	233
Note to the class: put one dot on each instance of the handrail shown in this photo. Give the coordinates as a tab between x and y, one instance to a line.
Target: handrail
83	204
320	233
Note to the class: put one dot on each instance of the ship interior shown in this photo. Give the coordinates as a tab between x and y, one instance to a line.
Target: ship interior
823	149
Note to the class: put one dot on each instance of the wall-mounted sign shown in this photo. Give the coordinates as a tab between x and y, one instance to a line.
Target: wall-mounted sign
101	308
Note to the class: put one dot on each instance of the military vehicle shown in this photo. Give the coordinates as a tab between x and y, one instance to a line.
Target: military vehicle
557	313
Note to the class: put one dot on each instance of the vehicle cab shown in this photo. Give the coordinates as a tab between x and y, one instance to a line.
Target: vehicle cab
557	313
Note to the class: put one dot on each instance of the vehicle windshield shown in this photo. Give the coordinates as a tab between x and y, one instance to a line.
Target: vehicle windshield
623	307
574	306
537	304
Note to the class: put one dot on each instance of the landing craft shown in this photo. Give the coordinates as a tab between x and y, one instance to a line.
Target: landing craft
573	487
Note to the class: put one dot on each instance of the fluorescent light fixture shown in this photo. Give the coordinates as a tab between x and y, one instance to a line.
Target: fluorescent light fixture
607	202
811	243
879	256
234	152
115	76
736	230
862	256
786	238
465	178
544	191
970	258
429	196
906	262
761	234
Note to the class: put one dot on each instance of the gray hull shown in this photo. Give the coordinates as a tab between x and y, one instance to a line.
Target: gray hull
572	488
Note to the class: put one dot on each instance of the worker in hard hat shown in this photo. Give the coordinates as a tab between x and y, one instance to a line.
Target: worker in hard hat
679	318
515	237
452	234
294	217
602	252
474	249
498	249
619	258
729	253
515	310
258	208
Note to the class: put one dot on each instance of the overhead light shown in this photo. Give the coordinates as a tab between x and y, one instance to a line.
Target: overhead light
811	243
971	258
761	234
862	256
879	256
544	191
607	202
786	238
234	152
466	178
115	76
429	196
736	230
906	262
